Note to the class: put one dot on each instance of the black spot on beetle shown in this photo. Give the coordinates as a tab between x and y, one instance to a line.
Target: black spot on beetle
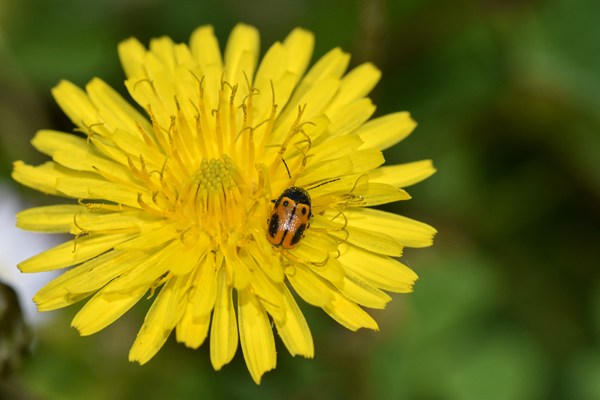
299	234
273	225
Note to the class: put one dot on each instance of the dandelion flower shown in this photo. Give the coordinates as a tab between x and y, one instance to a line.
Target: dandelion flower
175	199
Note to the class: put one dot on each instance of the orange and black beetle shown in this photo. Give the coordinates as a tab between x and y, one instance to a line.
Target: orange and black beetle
289	218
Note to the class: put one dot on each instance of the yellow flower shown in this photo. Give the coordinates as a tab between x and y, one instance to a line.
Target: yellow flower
176	202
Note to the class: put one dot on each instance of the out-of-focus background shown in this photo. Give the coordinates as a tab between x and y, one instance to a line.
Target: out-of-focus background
507	96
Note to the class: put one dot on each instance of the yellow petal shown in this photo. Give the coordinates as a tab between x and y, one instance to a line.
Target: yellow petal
54	179
403	175
183	56
159	89
84	279
49	142
315	249
152	236
381	193
405	231
239	270
299	45
205	47
107	148
350	117
348	314
319	242
165	312
282	89
149	268
105	308
282	66
309	286
107	169
97	188
202	299
332	271
77	154
384	132
316	90
361	292
188	258
135	146
164	50
72	252
192	330
366	160
51	219
333	149
294	331
356	84
78	107
241	55
383	272
187	87
42	177
318	129
256	335
131	54
313	101
115	111
336	167
332	65
377	241
87	221
264	255
224	330
268	291
272	68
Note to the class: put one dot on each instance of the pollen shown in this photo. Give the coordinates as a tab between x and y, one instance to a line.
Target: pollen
215	175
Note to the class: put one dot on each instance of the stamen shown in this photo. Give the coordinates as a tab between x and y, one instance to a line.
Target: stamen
232	122
147	208
147	139
270	123
184	136
158	131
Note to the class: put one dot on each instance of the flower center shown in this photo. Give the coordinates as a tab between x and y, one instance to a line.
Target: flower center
214	176
218	202
222	169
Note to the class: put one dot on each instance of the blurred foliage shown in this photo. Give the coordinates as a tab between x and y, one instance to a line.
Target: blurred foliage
15	338
507	96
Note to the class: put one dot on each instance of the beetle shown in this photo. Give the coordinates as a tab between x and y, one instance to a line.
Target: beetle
290	218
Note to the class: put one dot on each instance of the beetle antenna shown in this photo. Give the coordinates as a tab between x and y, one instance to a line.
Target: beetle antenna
286	168
323	183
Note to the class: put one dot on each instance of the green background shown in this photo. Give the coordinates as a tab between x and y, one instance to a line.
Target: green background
507	96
